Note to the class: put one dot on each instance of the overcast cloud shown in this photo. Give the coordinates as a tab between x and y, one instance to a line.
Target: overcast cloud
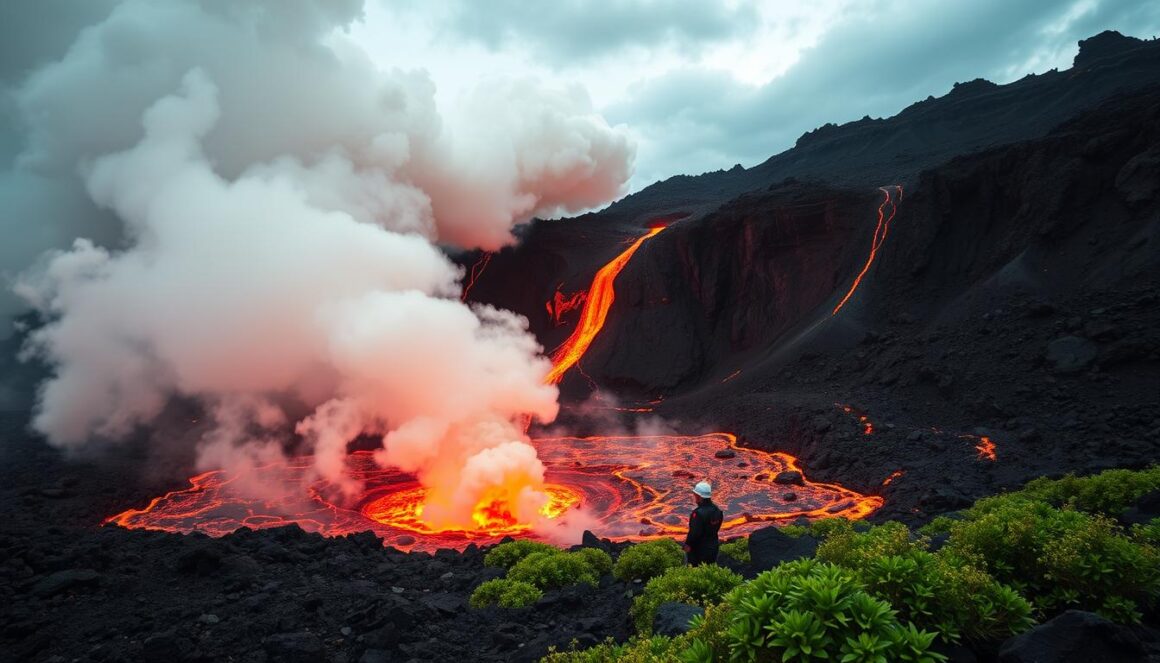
704	86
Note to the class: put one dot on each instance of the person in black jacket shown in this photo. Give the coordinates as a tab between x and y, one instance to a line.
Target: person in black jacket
701	544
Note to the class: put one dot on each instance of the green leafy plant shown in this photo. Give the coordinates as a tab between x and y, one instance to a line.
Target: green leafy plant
807	610
505	555
548	570
696	585
703	643
1109	493
738	549
825	527
648	559
600	561
845	547
1059	558
1148	534
795	531
505	593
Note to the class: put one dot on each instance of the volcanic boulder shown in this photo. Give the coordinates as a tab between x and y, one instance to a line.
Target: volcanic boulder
1075	636
1071	354
673	618
769	547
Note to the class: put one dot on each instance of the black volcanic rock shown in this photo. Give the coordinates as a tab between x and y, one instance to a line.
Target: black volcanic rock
1144	510
301	647
789	478
1071	354
1075	636
769	547
1106	44
672	618
63	581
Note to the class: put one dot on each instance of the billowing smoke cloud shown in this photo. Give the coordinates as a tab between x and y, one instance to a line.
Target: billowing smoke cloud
276	200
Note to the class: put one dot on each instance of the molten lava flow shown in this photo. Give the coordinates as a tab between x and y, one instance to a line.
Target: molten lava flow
559	305
984	446
893	475
595	311
634	487
403	509
880	232
474	273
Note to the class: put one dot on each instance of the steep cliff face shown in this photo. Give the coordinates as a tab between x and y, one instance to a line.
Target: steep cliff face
728	283
1073	212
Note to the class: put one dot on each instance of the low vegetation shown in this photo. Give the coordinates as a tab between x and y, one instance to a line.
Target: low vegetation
535	567
648	560
696	585
738	549
884	593
505	593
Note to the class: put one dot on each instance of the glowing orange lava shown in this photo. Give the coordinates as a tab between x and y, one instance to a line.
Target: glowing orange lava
880	232
403	510
984	446
893	475
633	487
595	312
560	305
474	273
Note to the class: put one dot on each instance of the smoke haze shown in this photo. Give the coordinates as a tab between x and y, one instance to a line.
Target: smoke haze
231	205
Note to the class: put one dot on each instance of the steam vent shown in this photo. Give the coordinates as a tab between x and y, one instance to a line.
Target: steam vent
362	331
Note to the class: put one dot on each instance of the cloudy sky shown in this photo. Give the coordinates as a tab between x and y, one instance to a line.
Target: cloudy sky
705	85
699	85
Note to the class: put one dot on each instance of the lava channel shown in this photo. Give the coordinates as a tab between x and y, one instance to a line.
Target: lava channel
595	312
631	488
880	232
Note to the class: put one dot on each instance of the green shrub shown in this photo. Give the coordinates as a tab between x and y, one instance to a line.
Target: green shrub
825	527
505	593
505	555
704	643
548	570
648	559
656	649
738	549
1059	558
845	547
795	531
695	585
1110	492
596	558
1147	534
938	592
805	610
938	525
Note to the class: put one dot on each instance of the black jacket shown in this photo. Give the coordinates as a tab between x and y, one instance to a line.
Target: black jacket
704	523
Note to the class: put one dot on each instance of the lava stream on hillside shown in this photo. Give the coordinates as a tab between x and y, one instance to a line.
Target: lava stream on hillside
628	487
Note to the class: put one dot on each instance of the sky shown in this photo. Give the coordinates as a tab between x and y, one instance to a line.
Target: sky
702	86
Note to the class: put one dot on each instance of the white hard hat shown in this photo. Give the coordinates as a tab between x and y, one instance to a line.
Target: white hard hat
703	489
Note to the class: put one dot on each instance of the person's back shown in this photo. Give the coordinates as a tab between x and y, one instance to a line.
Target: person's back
701	544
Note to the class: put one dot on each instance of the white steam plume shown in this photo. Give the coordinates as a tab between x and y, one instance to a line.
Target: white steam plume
278	213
